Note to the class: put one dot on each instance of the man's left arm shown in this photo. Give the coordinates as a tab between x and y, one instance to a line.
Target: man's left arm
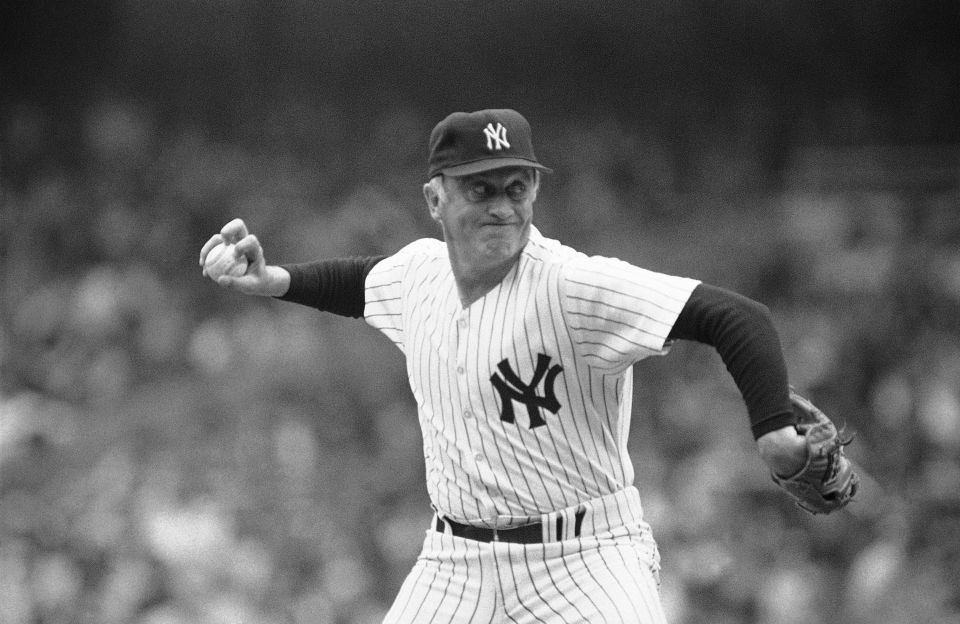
800	444
742	332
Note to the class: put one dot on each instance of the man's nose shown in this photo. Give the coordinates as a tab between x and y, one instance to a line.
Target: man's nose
501	207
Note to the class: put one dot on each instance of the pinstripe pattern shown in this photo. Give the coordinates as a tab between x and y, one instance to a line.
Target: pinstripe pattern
604	579
593	316
582	322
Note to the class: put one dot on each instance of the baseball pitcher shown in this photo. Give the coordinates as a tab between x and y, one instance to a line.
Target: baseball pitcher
519	353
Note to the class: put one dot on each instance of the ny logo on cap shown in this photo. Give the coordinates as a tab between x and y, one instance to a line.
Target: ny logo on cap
496	137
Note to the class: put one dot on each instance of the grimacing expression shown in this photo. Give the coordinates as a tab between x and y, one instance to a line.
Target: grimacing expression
489	212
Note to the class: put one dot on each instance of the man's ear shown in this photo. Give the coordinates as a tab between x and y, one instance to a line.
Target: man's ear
433	201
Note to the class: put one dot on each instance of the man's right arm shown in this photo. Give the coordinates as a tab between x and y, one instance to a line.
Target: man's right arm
335	285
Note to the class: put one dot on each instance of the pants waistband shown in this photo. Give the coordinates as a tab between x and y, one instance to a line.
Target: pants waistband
588	518
527	534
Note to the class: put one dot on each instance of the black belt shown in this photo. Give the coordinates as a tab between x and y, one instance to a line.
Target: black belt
527	534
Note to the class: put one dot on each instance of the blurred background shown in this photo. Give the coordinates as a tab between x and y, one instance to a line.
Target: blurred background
171	453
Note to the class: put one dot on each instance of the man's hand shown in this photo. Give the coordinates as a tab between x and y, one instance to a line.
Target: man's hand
825	480
784	450
260	278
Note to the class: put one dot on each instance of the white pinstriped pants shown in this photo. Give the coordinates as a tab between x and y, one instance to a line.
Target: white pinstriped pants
610	577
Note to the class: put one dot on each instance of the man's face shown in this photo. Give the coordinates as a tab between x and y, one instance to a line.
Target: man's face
488	214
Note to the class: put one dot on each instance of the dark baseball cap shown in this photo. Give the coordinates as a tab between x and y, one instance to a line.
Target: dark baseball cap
467	143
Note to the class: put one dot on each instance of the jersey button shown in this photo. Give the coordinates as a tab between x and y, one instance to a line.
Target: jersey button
462	323
468	414
479	457
460	370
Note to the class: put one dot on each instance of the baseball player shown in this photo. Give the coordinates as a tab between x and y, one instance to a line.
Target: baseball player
519	353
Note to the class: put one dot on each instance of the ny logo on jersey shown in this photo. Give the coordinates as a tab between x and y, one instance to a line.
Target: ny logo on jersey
496	137
512	388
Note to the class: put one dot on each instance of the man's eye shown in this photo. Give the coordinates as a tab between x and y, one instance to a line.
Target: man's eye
517	190
480	191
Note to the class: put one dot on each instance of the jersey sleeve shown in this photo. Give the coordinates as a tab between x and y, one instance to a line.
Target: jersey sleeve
619	313
384	291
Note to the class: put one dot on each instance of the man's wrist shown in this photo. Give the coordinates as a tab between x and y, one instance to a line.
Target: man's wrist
277	279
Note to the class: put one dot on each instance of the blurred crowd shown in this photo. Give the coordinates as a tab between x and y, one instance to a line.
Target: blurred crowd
172	453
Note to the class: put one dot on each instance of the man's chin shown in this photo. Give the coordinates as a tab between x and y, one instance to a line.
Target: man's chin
498	248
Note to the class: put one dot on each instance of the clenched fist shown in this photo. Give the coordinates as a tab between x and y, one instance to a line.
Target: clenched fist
224	259
234	259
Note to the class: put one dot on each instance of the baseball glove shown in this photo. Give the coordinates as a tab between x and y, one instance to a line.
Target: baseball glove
827	482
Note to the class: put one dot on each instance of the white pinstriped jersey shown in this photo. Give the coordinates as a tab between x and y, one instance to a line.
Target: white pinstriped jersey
524	397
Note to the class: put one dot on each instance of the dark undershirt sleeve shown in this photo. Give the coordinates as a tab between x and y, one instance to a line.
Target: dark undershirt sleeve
742	332
335	285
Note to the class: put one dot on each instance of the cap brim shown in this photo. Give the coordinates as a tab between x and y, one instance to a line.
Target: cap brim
489	164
